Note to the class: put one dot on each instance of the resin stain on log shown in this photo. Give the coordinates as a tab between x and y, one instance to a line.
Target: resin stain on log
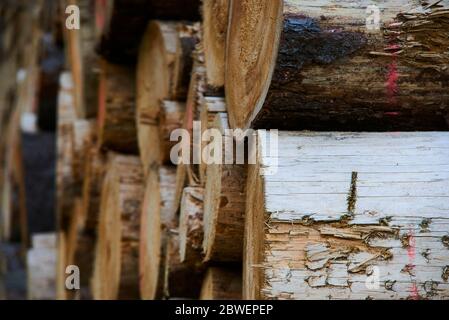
305	43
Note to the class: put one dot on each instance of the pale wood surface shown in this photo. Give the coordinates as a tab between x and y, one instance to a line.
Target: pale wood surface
341	203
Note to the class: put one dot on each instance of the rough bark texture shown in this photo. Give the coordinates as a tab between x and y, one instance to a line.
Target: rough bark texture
191	225
348	216
333	73
157	219
117	109
222	284
224	205
116	274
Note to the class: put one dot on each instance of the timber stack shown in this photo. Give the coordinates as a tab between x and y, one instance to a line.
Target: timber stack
170	185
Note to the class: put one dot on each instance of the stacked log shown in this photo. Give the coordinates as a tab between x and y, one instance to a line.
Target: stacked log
121	24
116	260
224	202
116	109
328	215
161	73
215	25
157	221
82	58
293	65
358	217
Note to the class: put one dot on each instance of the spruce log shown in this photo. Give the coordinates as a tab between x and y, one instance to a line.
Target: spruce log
163	60
191	225
181	279
222	284
117	109
65	177
156	220
348	216
121	23
316	65
94	172
224	204
82	58
209	109
215	26
116	274
83	133
157	145
187	39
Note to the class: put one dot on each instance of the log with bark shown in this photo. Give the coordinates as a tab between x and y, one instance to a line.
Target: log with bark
65	177
117	109
222	284
188	174
348	216
116	274
181	279
94	172
162	74
326	66
83	134
215	26
191	225
156	220
121	24
209	109
224	200
82	58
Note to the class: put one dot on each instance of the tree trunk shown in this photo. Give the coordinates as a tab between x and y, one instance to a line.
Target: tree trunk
295	65
215	26
224	205
117	109
222	284
157	219
358	216
191	225
116	274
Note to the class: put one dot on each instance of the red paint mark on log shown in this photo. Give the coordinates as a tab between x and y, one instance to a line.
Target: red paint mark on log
392	82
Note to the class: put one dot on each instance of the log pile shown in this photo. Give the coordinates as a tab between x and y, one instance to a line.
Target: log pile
158	201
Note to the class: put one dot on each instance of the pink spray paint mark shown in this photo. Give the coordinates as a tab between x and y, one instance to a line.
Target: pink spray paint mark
392	82
411	252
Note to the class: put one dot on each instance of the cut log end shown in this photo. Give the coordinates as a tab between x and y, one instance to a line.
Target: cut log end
215	24
157	218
